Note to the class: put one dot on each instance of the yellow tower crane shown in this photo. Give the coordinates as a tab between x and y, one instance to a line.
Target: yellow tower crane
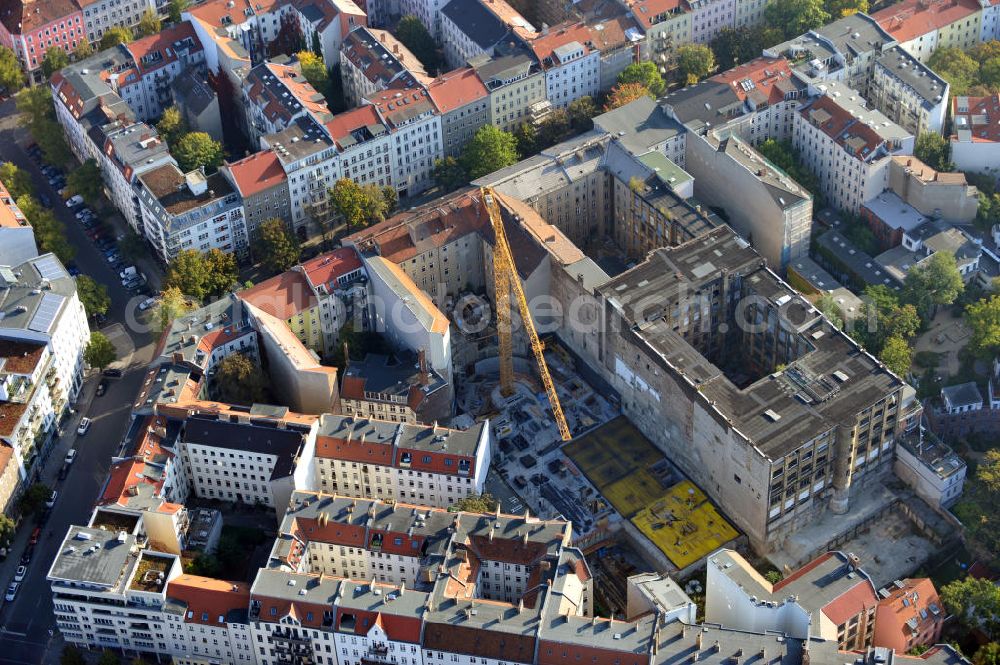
505	280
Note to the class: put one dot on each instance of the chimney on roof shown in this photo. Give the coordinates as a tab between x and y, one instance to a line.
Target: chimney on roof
395	48
700	640
425	378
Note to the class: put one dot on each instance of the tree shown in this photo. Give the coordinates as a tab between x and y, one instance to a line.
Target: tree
149	24
773	576
491	149
174	9
86	181
988	214
315	71
93	295
221	272
204	565
100	352
988	654
7	527
734	46
796	17
975	603
625	93
554	129
39	116
171	125
116	35
197	149
841	8
933	150
581	113
50	234
238	380
358	205
34	498
187	273
277	249
17	182
989	73
475	503
897	356
956	67
83	49
132	246
449	173
831	310
526	137
54	60
71	655
935	281
109	657
171	305
645	74
695	62
884	317
11	76
391	198
988	471
983	318
414	36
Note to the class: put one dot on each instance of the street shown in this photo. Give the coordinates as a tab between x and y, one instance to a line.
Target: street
27	620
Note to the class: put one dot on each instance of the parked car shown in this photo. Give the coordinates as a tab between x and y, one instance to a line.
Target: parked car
113	373
21	572
84	427
12	591
74	201
147	303
70	456
102	387
52	499
35	535
84	212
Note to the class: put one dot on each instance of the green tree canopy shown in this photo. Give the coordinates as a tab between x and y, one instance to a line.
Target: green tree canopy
884	317
238	380
11	76
831	310
221	270
526	136
988	654
414	36
39	116
109	657
491	149
841	8
174	9
83	49
100	352
933	150
956	67
171	305
187	273
796	17
475	503
116	35
358	205
7	528
581	113
50	234
695	62
86	181
555	128
734	46
17	182
54	60
449	173
988	471
897	356
149	24
93	295
71	655
278	248
983	318
645	74
625	93
936	281
197	149
314	69
171	125
34	498
975	603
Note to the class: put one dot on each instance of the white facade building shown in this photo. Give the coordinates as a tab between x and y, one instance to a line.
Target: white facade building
99	15
572	68
708	17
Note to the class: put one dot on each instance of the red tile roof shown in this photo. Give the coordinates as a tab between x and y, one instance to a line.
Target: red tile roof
560	35
985	110
910	19
261	170
906	607
328	268
208	600
397	628
123	478
760	75
283	296
328	447
162	43
853	602
456	89
21	17
342	124
647	11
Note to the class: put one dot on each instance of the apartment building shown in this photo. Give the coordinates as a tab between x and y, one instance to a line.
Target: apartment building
191	211
10	479
909	615
473	28
30	29
275	94
847	146
17	238
786	475
766	207
99	15
708	17
923	26
463	103
244	462
397	388
403	462
44	332
948	196
129	151
516	84
643	126
373	60
666	25
620	42
990	21
155	61
571	65
415	133
262	186
830	597
908	92
931	468
975	144
364	143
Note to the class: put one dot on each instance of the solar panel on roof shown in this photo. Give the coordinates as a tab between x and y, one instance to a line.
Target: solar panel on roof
50	268
45	315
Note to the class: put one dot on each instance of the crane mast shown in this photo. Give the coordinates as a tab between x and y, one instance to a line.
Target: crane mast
505	280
